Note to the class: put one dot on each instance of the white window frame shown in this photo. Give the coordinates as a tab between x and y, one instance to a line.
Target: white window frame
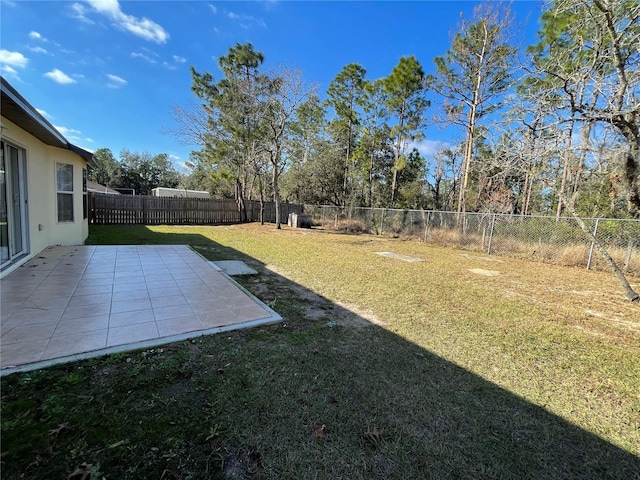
64	192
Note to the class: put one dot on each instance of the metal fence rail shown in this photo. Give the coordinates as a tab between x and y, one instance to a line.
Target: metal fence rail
546	239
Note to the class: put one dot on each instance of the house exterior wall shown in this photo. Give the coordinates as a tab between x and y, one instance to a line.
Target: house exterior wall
44	230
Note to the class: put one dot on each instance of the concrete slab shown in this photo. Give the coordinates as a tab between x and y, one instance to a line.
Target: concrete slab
398	256
233	267
71	303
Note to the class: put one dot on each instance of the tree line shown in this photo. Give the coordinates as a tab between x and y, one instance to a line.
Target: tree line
140	172
554	130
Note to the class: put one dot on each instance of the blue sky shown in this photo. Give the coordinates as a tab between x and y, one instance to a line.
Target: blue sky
107	72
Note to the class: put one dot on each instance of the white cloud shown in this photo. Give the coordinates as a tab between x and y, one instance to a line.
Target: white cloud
68	133
79	12
14	59
179	59
36	36
270	4
115	81
37	49
213	8
74	136
428	148
246	21
141	27
143	56
9	72
168	66
59	77
44	113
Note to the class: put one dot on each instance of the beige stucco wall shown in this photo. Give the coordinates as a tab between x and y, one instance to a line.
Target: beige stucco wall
44	229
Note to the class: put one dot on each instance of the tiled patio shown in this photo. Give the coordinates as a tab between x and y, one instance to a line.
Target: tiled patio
76	302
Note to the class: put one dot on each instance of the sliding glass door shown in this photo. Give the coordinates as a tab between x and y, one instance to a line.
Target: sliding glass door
13	204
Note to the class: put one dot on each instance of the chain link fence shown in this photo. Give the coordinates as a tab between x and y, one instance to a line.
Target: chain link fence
560	241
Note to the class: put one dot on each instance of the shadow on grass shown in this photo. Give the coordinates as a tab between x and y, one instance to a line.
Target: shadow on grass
325	394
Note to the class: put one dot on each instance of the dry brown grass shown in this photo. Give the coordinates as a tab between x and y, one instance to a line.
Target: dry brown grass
348	226
570	255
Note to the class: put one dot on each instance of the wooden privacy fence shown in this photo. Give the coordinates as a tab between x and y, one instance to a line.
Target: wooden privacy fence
105	209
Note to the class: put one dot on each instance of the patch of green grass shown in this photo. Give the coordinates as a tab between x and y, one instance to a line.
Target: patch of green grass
458	375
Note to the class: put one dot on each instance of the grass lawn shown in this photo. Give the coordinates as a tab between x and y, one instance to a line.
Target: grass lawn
459	366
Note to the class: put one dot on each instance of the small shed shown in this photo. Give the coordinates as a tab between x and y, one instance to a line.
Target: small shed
300	220
179	193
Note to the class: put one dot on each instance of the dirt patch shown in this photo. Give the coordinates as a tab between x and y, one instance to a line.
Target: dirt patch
476	257
274	282
358	316
485	273
589	331
398	256
584	293
615	319
242	464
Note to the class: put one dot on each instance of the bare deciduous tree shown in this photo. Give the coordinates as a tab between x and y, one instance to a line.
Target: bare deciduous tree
286	94
588	62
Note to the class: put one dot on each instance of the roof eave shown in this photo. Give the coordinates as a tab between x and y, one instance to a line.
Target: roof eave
88	156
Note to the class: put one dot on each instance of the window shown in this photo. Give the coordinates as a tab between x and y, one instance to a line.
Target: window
85	198
64	191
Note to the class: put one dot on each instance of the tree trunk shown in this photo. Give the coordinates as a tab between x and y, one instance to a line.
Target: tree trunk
276	194
528	196
565	170
436	192
525	188
629	292
466	165
242	209
347	160
261	187
563	184
371	182
393	186
371	168
585	136
398	154
631	177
